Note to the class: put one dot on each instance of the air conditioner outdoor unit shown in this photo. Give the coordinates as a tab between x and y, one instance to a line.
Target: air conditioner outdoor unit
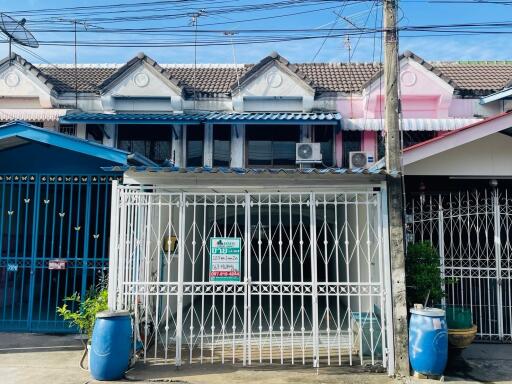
308	153
361	159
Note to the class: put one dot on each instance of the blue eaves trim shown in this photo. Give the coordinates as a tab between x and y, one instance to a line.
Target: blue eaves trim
333	118
29	132
134	118
255	171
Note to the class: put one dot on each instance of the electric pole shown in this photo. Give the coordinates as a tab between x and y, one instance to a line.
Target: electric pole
395	196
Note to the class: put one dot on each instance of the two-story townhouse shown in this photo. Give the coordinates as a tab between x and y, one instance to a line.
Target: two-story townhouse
208	157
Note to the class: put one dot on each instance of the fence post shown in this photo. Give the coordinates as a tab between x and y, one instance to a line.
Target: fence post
114	244
314	293
497	252
440	243
181	262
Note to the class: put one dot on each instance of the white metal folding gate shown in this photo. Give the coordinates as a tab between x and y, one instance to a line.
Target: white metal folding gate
473	232
312	286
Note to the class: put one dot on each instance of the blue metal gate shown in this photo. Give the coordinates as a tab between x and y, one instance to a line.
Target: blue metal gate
46	218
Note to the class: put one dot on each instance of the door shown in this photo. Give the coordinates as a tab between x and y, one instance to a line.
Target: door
18	205
472	232
45	219
302	284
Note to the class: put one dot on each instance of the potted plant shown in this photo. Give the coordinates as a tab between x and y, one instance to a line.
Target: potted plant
424	281
424	285
96	300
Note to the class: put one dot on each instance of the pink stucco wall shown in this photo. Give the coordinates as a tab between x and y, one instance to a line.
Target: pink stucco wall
423	95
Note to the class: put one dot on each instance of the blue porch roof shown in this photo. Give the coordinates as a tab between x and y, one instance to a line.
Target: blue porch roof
333	118
17	134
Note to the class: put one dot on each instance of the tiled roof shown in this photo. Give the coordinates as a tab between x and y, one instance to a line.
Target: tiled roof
466	77
89	79
485	77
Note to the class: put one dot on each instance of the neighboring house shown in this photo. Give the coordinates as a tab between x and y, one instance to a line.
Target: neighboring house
210	155
459	194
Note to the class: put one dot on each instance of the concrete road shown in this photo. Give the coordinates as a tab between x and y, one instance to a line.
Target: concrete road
34	358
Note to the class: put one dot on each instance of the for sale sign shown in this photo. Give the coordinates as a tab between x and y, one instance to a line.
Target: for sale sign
225	258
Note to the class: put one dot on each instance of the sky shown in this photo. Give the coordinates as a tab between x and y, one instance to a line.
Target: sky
323	16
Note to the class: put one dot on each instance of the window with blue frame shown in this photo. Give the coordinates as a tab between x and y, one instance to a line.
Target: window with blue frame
195	145
151	141
271	146
221	145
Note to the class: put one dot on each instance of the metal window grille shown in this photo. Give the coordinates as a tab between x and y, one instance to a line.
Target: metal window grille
68	129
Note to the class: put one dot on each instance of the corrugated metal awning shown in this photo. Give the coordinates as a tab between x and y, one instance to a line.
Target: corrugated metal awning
31	114
134	118
276	117
256	171
448	124
196	118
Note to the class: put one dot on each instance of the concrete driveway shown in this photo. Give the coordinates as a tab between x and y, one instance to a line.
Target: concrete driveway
35	358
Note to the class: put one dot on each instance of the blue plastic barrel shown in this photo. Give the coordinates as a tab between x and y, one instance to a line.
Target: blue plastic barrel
428	341
111	345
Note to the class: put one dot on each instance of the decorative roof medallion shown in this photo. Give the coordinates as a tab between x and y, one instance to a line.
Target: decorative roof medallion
141	79
12	79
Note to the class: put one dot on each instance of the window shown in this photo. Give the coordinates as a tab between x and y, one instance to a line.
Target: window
68	129
351	142
221	145
39	124
195	142
381	145
94	132
411	138
152	141
324	134
271	145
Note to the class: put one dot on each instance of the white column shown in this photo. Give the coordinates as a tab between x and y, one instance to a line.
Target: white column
208	145
238	146
177	145
51	125
111	132
80	130
306	134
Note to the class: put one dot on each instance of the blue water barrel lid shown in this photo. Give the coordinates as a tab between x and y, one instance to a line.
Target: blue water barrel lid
432	312
105	314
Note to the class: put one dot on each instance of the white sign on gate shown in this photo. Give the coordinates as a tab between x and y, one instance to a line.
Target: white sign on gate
225	258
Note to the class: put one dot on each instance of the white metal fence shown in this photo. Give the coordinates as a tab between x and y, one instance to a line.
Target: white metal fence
473	232
312	289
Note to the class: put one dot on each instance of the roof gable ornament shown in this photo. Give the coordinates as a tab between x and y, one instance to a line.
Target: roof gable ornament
141	80
29	67
412	56
273	79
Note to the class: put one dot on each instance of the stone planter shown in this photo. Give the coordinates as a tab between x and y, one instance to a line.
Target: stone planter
461	338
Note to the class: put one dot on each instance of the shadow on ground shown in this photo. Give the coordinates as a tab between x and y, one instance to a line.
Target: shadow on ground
483	363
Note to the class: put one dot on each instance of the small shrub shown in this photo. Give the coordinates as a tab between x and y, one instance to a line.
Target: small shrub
422	274
95	301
